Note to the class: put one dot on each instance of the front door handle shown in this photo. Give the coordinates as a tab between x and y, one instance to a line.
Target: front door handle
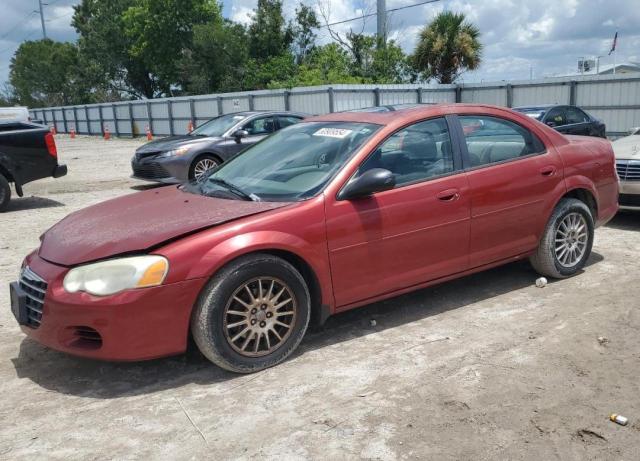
548	170
448	195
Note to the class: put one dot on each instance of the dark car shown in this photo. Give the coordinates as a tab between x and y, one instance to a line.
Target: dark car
187	157
566	119
27	153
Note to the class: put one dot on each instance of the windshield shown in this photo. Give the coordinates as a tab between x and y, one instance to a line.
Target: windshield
218	126
537	114
293	164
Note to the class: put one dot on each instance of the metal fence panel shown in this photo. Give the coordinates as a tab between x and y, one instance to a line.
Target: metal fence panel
547	94
615	99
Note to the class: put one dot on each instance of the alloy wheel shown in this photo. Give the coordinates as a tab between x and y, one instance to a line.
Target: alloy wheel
202	167
259	316
572	237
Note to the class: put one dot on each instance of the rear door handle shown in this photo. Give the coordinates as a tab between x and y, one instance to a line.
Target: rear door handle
548	170
449	195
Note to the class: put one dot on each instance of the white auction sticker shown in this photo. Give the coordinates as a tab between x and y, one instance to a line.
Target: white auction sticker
333	132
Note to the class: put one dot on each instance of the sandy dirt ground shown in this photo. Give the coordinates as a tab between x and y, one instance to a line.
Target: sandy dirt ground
485	367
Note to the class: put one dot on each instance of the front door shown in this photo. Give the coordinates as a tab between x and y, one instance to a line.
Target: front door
512	176
416	232
257	129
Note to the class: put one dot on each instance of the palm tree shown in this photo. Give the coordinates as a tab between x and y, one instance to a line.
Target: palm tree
447	47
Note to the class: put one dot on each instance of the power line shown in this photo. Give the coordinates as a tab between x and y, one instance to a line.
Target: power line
374	14
18	24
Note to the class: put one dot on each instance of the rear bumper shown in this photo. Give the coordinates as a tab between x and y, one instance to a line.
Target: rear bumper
60	171
132	325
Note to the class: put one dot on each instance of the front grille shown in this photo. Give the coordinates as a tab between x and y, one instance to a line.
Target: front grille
628	170
629	200
151	170
140	155
35	288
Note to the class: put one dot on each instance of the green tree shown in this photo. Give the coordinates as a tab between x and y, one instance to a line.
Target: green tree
447	47
269	35
217	59
303	32
135	46
46	73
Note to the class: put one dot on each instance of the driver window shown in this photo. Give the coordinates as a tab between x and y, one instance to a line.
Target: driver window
416	153
258	126
557	116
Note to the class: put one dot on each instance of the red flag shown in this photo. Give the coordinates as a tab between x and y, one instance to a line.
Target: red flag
615	44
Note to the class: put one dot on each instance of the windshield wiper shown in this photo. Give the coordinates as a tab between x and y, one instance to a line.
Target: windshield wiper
235	189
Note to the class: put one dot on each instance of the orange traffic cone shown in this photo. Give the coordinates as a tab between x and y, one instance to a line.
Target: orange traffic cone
73	133
149	134
190	126
52	130
107	134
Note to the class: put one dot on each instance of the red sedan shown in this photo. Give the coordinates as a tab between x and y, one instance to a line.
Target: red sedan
329	214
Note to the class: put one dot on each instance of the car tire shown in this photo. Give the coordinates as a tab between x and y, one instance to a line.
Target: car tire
566	243
234	302
202	164
5	193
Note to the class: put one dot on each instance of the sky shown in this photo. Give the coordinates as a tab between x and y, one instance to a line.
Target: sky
521	38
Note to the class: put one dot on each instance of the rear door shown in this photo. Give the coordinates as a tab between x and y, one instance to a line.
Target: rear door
510	184
416	232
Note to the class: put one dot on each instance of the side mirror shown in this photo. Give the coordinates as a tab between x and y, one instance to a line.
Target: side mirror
239	134
551	123
370	182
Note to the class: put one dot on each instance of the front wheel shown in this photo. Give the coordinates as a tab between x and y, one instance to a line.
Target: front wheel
252	314
5	192
201	166
566	244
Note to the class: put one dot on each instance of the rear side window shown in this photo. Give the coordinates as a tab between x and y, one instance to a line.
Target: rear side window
575	115
493	140
287	120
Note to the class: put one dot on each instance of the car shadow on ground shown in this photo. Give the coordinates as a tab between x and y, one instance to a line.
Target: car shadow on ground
627	220
31	203
141	187
62	373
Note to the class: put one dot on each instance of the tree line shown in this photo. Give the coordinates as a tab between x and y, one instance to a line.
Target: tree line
133	49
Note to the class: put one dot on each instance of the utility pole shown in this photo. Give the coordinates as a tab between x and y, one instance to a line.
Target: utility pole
44	30
382	23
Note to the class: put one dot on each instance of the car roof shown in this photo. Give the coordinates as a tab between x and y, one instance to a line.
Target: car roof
539	107
250	113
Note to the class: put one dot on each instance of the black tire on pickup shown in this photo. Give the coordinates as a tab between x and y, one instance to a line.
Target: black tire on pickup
5	193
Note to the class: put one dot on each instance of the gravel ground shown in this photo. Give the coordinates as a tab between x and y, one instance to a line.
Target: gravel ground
485	367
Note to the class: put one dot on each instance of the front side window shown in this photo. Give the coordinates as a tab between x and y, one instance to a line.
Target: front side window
557	117
415	153
293	164
258	126
493	140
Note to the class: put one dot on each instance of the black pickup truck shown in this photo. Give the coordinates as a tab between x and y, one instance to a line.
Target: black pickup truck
27	152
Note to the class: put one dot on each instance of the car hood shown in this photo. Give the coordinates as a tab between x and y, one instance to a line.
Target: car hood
137	222
627	148
174	142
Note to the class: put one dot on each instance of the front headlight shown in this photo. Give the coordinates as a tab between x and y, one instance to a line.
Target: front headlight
175	152
115	275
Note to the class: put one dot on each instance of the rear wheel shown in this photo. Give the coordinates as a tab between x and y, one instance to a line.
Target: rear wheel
252	315
202	165
566	244
5	193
